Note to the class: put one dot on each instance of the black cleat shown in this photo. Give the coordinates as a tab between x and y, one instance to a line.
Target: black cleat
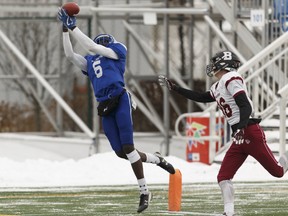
144	201
164	164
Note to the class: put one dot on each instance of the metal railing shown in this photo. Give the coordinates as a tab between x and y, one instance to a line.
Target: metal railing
46	85
218	136
265	74
283	92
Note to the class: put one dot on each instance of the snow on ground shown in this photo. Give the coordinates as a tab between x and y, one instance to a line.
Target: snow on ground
31	163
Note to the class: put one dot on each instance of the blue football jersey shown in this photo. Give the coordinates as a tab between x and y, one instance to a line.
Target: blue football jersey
106	74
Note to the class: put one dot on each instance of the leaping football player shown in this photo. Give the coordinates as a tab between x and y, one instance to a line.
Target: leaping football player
105	66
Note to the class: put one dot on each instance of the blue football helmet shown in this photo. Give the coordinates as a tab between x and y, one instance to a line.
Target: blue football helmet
104	39
225	60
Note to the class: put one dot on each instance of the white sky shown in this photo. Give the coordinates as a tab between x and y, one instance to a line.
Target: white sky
22	165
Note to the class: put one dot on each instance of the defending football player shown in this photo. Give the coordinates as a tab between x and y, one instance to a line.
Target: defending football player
105	66
248	138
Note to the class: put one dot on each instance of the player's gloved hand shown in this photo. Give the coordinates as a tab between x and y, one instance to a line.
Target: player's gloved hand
238	136
68	21
164	81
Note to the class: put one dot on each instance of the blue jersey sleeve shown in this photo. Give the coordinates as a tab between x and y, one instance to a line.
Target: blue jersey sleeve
120	49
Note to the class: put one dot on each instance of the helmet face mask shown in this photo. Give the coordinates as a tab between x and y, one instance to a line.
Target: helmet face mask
104	39
225	60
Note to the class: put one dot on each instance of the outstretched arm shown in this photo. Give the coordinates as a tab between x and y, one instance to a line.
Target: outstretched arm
75	58
88	45
91	47
204	97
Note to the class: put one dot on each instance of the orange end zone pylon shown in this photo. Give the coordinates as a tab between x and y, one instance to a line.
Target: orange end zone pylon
175	191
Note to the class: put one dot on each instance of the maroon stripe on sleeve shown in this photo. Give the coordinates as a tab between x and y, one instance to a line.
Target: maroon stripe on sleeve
239	92
231	79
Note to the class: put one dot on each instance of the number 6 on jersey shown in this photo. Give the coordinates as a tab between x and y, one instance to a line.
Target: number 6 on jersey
97	68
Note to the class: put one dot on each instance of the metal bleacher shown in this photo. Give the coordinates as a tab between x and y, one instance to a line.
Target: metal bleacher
209	26
263	51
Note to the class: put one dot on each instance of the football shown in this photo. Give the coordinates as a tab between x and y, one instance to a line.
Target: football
71	8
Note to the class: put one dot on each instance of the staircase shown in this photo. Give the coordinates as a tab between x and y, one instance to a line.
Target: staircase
265	72
272	132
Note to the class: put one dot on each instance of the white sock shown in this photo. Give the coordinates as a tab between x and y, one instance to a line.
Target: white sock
151	158
143	186
229	209
228	196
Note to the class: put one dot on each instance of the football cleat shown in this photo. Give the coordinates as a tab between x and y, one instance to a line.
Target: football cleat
164	164
144	201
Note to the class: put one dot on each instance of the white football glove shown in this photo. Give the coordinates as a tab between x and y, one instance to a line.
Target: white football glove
164	81
238	136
